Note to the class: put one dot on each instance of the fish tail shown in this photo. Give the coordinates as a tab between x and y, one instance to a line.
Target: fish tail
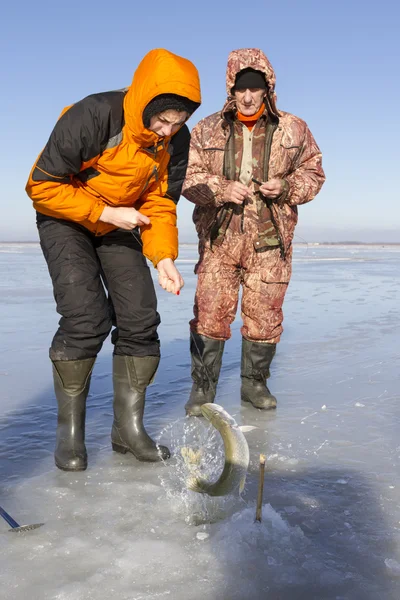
193	484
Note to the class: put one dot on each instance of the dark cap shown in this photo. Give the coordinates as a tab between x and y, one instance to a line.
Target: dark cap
249	79
168	102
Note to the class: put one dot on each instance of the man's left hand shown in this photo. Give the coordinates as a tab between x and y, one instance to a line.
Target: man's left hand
169	277
273	188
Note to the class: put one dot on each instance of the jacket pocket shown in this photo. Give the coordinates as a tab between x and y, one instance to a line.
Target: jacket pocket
291	154
275	269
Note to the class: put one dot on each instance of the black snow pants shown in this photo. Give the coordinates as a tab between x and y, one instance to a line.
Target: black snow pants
83	267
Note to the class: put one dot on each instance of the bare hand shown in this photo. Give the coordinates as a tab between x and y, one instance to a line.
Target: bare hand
273	188
169	277
237	192
123	217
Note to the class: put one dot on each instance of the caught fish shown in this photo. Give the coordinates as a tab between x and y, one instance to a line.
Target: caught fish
233	476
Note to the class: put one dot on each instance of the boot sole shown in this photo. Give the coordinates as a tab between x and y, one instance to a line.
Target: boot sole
124	449
271	407
120	449
194	414
83	468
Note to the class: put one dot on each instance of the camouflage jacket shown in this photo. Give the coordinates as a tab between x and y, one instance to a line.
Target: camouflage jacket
283	147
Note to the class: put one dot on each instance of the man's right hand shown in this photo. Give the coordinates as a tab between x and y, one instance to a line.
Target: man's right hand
237	193
123	217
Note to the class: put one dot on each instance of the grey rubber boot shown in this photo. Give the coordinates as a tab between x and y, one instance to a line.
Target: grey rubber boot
256	361
71	386
131	376
206	365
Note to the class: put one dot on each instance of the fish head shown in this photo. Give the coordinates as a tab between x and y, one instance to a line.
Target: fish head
216	415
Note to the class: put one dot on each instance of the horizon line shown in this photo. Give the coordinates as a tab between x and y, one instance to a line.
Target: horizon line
297	243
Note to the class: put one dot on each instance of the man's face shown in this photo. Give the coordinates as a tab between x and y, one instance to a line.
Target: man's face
168	122
249	101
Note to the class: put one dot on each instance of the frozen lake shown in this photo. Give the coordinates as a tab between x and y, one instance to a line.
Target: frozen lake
124	529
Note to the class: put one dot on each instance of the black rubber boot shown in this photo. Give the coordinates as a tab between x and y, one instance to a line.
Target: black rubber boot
131	376
256	361
71	385
206	366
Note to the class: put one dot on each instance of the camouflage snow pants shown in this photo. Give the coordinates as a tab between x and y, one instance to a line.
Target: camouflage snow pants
264	277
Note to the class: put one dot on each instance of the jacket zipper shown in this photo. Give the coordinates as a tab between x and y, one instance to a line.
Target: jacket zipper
154	173
244	201
271	127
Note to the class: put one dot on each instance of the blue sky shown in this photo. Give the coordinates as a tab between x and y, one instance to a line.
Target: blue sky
337	66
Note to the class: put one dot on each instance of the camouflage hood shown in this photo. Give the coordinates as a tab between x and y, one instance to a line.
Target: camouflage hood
253	58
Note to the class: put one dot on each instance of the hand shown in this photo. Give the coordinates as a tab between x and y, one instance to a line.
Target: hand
273	188
169	277
237	192
123	217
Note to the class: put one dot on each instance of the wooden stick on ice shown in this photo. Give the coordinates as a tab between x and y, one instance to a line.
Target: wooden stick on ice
260	489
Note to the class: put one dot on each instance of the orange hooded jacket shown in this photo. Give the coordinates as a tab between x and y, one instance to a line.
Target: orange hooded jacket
100	154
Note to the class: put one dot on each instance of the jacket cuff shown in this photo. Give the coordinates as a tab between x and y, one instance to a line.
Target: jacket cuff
219	196
97	209
286	191
156	259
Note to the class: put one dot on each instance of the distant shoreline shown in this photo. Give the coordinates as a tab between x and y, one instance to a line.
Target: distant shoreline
344	243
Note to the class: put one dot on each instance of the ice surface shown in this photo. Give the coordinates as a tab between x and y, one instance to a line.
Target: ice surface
127	530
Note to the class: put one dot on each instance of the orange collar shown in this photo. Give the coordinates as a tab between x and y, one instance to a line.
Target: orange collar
251	120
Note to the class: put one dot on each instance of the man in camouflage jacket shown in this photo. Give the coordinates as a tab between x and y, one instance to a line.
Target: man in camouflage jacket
250	166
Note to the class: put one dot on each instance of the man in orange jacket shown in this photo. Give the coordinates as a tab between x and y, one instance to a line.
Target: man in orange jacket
105	189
